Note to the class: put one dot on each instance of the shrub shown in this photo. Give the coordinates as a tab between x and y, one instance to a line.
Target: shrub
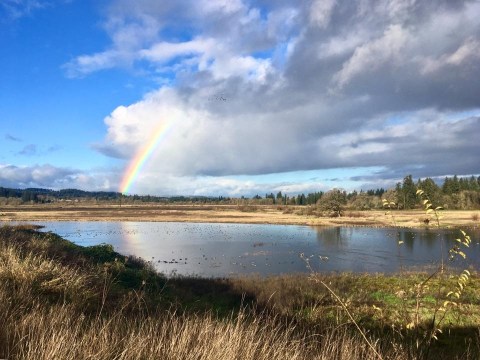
333	202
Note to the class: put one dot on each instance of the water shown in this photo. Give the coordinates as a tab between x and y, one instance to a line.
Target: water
220	250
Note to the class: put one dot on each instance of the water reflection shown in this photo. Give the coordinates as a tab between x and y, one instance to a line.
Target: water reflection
334	239
385	250
230	249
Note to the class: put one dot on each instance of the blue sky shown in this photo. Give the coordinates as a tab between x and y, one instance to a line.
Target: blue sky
263	95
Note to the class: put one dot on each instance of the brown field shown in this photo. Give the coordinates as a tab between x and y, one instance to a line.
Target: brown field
251	214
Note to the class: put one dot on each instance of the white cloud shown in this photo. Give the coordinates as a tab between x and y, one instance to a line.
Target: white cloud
128	41
223	6
27	176
341	45
165	51
86	64
468	51
320	12
220	186
371	55
18	8
50	176
248	67
389	10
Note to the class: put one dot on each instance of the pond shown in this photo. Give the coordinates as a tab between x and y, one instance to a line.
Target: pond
218	250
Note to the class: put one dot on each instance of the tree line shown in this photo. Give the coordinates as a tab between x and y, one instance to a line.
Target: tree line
39	195
454	193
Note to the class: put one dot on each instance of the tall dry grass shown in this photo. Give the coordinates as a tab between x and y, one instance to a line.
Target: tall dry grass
55	334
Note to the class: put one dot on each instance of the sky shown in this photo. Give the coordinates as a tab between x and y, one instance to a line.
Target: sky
237	97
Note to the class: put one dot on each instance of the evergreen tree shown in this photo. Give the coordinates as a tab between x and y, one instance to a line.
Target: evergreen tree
473	184
407	193
432	191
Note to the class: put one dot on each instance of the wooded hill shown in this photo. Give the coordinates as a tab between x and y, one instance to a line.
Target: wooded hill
40	195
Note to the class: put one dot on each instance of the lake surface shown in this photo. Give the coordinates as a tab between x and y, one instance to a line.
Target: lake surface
219	250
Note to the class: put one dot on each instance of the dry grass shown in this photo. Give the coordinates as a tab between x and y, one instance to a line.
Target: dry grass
355	214
249	214
56	334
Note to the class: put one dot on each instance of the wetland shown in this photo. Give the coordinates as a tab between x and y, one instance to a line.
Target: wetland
225	249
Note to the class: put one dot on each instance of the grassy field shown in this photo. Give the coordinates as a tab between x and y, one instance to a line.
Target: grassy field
62	301
253	214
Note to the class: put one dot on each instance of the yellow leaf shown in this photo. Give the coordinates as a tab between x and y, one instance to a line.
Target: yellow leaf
446	303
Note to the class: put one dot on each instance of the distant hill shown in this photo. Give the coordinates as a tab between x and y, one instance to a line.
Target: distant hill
48	195
40	195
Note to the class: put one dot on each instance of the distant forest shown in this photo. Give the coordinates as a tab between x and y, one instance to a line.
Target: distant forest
454	193
46	195
39	195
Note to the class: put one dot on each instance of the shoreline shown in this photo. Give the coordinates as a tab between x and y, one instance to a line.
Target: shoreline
274	215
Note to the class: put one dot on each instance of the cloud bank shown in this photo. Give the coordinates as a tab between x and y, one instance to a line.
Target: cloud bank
50	176
309	85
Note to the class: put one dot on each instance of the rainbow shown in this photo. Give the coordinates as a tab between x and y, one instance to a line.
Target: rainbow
137	163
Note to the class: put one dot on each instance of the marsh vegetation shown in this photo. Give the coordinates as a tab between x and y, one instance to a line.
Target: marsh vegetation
60	300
